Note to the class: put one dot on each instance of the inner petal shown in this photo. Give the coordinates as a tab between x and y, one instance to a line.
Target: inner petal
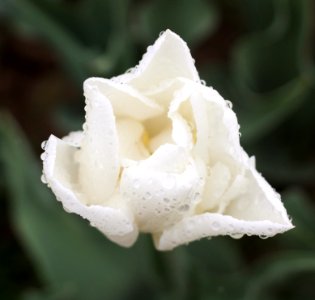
132	138
216	184
125	100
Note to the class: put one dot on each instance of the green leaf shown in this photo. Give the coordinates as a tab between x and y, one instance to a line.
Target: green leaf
69	255
258	121
270	58
74	54
276	270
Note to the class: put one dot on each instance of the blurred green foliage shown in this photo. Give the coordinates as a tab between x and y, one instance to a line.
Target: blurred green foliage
258	54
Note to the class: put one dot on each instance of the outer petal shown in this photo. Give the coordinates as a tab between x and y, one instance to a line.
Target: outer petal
167	59
250	206
98	157
125	100
217	130
259	202
60	171
213	224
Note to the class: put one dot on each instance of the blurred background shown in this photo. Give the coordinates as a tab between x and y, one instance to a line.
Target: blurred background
258	54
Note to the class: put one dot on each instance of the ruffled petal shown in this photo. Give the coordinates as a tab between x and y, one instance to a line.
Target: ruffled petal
182	132
217	130
167	59
132	139
125	101
213	224
162	189
60	171
259	202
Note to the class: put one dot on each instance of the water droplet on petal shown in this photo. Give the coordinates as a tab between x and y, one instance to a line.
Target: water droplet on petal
43	179
215	225
43	145
161	33
229	104
263	236
237	235
184	207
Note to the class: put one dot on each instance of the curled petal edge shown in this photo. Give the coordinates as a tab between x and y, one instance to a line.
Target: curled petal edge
213	224
115	223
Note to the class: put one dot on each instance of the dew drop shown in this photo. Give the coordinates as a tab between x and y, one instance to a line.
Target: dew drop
203	82
215	225
43	145
229	104
184	207
148	195
263	236
161	33
43	179
166	200
43	156
130	70
84	127
237	235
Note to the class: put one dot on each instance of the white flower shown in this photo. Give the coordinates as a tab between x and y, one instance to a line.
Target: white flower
160	153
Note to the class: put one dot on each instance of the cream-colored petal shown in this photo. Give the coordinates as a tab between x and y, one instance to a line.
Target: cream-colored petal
164	137
164	93
217	182
162	189
213	224
131	136
167	59
74	138
182	133
125	100
258	202
60	171
217	130
98	157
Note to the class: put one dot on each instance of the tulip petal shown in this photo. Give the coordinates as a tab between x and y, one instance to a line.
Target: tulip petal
250	206
217	137
182	131
162	189
214	224
167	59
60	171
74	138
131	135
259	202
125	100
98	157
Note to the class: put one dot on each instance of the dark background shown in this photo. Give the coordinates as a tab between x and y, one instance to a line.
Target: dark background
258	54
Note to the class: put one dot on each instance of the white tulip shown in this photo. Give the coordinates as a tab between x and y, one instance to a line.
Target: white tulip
160	153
